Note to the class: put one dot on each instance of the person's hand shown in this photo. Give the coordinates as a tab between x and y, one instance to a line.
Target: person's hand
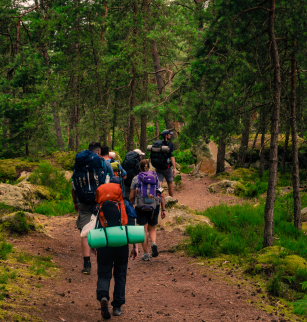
134	252
163	214
174	172
94	251
76	207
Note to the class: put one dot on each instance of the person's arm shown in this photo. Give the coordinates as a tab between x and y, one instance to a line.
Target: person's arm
75	199
135	250
163	214
174	165
132	196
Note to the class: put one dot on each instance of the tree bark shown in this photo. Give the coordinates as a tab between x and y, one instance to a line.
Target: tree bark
220	164
130	137
270	201
252	149
244	141
284	158
295	168
263	129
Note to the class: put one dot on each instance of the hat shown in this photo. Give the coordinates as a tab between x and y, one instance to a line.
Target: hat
165	132
112	155
115	180
139	152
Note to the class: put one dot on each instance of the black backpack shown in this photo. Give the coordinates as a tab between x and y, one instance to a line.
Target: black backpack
131	166
89	173
159	156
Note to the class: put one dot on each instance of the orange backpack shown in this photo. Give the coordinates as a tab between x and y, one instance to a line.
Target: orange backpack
111	206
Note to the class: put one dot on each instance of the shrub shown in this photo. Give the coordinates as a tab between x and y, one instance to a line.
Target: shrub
5	249
55	208
184	157
19	224
52	178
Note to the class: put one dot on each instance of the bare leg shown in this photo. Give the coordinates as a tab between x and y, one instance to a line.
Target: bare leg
145	244
170	189
86	250
152	233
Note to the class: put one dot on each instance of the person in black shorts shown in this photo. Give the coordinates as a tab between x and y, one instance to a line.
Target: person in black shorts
147	217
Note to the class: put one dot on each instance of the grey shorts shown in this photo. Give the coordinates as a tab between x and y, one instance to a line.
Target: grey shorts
85	214
165	173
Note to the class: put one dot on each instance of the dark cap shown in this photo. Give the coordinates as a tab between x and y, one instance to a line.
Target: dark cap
115	180
165	132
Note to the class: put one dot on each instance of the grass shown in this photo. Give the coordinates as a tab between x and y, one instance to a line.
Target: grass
5	249
55	207
238	231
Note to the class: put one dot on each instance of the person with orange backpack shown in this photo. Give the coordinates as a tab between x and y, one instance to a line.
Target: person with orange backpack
111	212
147	194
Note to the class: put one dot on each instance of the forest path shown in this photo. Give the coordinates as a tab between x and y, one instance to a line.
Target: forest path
171	287
195	194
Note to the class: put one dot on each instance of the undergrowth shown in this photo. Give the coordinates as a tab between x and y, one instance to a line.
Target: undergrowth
254	187
59	187
238	231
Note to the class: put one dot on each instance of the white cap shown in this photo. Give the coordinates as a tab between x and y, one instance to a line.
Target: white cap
139	152
112	155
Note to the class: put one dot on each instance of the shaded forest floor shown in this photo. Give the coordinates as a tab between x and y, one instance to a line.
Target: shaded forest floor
171	287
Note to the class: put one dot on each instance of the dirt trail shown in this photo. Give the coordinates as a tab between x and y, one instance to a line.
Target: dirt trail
195	194
171	287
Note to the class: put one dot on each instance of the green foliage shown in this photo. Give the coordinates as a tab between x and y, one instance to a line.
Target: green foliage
5	249
65	159
184	157
19	224
185	169
51	177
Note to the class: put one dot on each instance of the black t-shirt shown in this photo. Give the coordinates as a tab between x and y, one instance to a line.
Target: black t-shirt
171	153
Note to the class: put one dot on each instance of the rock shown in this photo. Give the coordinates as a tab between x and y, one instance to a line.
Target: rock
227	186
170	202
22	222
304	214
181	216
68	175
206	156
24	195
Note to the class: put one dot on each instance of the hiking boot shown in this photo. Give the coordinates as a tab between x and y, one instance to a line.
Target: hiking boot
146	257
105	311
86	270
117	311
154	250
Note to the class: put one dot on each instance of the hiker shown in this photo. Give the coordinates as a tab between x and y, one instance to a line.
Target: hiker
89	173
131	165
147	205
105	155
164	163
109	196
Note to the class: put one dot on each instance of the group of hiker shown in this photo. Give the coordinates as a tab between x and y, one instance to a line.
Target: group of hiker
122	195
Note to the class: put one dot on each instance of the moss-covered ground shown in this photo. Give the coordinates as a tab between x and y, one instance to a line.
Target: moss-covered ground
20	279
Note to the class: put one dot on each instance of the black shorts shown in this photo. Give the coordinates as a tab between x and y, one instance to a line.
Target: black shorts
147	217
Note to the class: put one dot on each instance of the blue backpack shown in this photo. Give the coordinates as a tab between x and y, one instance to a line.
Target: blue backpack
90	172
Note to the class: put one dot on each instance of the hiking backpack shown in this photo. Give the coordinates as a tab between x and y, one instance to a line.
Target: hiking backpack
159	154
146	191
89	173
111	205
131	166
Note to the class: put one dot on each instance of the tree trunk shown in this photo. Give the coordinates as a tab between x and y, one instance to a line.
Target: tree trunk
143	133
220	164
263	129
57	125
252	149
244	141
130	146
284	158
295	169
270	201
157	128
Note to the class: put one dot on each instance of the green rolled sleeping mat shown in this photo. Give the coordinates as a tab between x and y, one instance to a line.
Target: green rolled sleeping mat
96	238
136	234
115	236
